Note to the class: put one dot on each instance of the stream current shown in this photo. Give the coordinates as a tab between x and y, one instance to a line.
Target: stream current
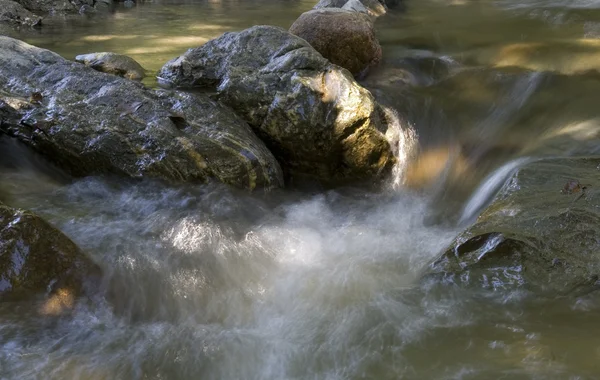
208	282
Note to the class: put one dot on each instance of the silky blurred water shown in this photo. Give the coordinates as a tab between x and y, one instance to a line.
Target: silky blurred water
208	282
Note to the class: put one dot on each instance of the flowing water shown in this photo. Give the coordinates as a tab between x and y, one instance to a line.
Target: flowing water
207	282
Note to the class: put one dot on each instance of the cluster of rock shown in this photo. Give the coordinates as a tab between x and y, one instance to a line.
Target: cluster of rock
30	12
282	106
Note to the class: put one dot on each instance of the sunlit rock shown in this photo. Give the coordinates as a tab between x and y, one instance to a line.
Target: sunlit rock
312	115
533	236
90	122
344	37
112	63
37	259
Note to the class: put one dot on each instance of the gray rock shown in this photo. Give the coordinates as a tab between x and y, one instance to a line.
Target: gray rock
540	234
58	7
87	10
344	37
8	116
370	7
14	13
112	63
312	115
36	258
90	122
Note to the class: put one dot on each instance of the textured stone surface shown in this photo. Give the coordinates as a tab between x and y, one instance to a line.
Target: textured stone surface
346	38
312	115
90	122
370	7
36	258
535	235
14	13
112	63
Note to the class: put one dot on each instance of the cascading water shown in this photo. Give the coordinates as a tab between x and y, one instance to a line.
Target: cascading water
213	283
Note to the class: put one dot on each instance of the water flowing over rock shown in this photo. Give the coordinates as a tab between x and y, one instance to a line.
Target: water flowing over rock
14	13
346	38
36	258
535	235
312	115
90	122
112	63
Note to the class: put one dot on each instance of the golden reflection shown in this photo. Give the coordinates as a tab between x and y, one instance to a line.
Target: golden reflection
208	27
148	50
567	56
181	41
109	37
60	301
432	164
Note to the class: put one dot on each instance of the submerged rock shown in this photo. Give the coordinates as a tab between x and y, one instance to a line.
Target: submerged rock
533	236
344	37
112	63
312	115
90	122
14	13
36	258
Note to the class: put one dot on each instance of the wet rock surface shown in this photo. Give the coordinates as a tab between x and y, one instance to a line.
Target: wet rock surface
112	63
345	37
90	122
534	236
312	115
36	258
13	13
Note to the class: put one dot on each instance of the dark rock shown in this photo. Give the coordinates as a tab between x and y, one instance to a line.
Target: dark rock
90	122
87	10
36	258
58	7
112	63
533	236
314	117
346	38
14	13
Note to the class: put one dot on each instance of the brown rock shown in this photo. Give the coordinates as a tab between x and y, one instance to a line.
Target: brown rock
345	38
36	258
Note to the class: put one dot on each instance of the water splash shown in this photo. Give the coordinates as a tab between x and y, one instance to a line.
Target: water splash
404	140
489	187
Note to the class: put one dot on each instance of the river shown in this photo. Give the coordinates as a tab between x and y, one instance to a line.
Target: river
208	282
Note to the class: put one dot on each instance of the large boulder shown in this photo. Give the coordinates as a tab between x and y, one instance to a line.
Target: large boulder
90	122
312	114
540	234
344	37
113	63
37	259
14	13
